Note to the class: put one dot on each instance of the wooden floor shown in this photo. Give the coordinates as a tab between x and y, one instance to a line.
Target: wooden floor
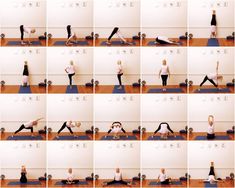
147	87
195	134
51	136
99	183
62	89
192	89
203	42
6	40
146	135
51	183
100	40
52	41
200	183
15	89
4	183
5	135
109	89
147	40
99	135
145	183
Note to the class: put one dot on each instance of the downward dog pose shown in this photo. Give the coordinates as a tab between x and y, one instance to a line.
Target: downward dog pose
119	73
210	130
28	125
213	25
27	30
164	130
165	40
163	179
70	178
116	128
164	73
70	70
72	37
23	178
25	80
213	77
117	179
117	31
211	176
69	125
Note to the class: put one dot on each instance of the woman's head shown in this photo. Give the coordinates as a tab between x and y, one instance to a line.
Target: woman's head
71	62
35	122
212	163
117	170
70	170
77	123
33	30
23	167
211	119
163	170
119	62
25	62
213	11
164	62
220	77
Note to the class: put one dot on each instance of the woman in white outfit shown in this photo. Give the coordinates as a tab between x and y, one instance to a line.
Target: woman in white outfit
164	73
70	70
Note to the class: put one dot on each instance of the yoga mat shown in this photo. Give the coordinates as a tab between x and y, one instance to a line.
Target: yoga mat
28	183
207	184
172	183
74	89
213	90
152	43
116	43
24	89
216	138
18	43
39	137
78	43
168	90
116	90
82	137
120	138
213	42
80	183
119	184
168	138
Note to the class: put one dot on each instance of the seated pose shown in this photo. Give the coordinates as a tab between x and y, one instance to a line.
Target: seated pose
72	37
70	70
28	125
164	130
119	73
25	81
213	25
163	177
211	177
212	77
165	40
69	125
164	73
117	179
70	178
29	31
116	128
210	130
116	31
23	178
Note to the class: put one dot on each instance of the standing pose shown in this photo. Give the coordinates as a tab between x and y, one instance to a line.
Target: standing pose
212	77
117	128
165	40
211	176
117	179
28	125
213	25
70	70
164	130
116	31
68	125
29	31
72	37
119	74
210	130
25	81
164	73
163	177
23	178
70	178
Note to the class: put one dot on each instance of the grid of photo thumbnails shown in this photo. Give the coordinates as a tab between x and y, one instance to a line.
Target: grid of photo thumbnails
117	93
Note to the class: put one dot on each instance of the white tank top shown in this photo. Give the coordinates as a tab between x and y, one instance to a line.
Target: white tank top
118	176
210	129
70	69
164	70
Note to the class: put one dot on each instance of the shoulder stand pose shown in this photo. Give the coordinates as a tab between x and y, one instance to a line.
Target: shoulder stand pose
25	80
213	25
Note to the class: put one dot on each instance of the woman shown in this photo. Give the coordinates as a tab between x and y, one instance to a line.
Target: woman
165	40
69	125
117	179
213	25
164	73
25	80
70	70
117	31
119	73
162	177
164	130
23	178
70	178
116	128
210	130
29	31
211	176
72	37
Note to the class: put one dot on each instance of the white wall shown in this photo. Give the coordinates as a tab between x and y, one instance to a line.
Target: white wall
157	155
202	61
64	155
125	109
19	109
111	155
105	62
16	154
221	153
59	58
170	108
200	12
220	106
63	108
152	61
12	65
